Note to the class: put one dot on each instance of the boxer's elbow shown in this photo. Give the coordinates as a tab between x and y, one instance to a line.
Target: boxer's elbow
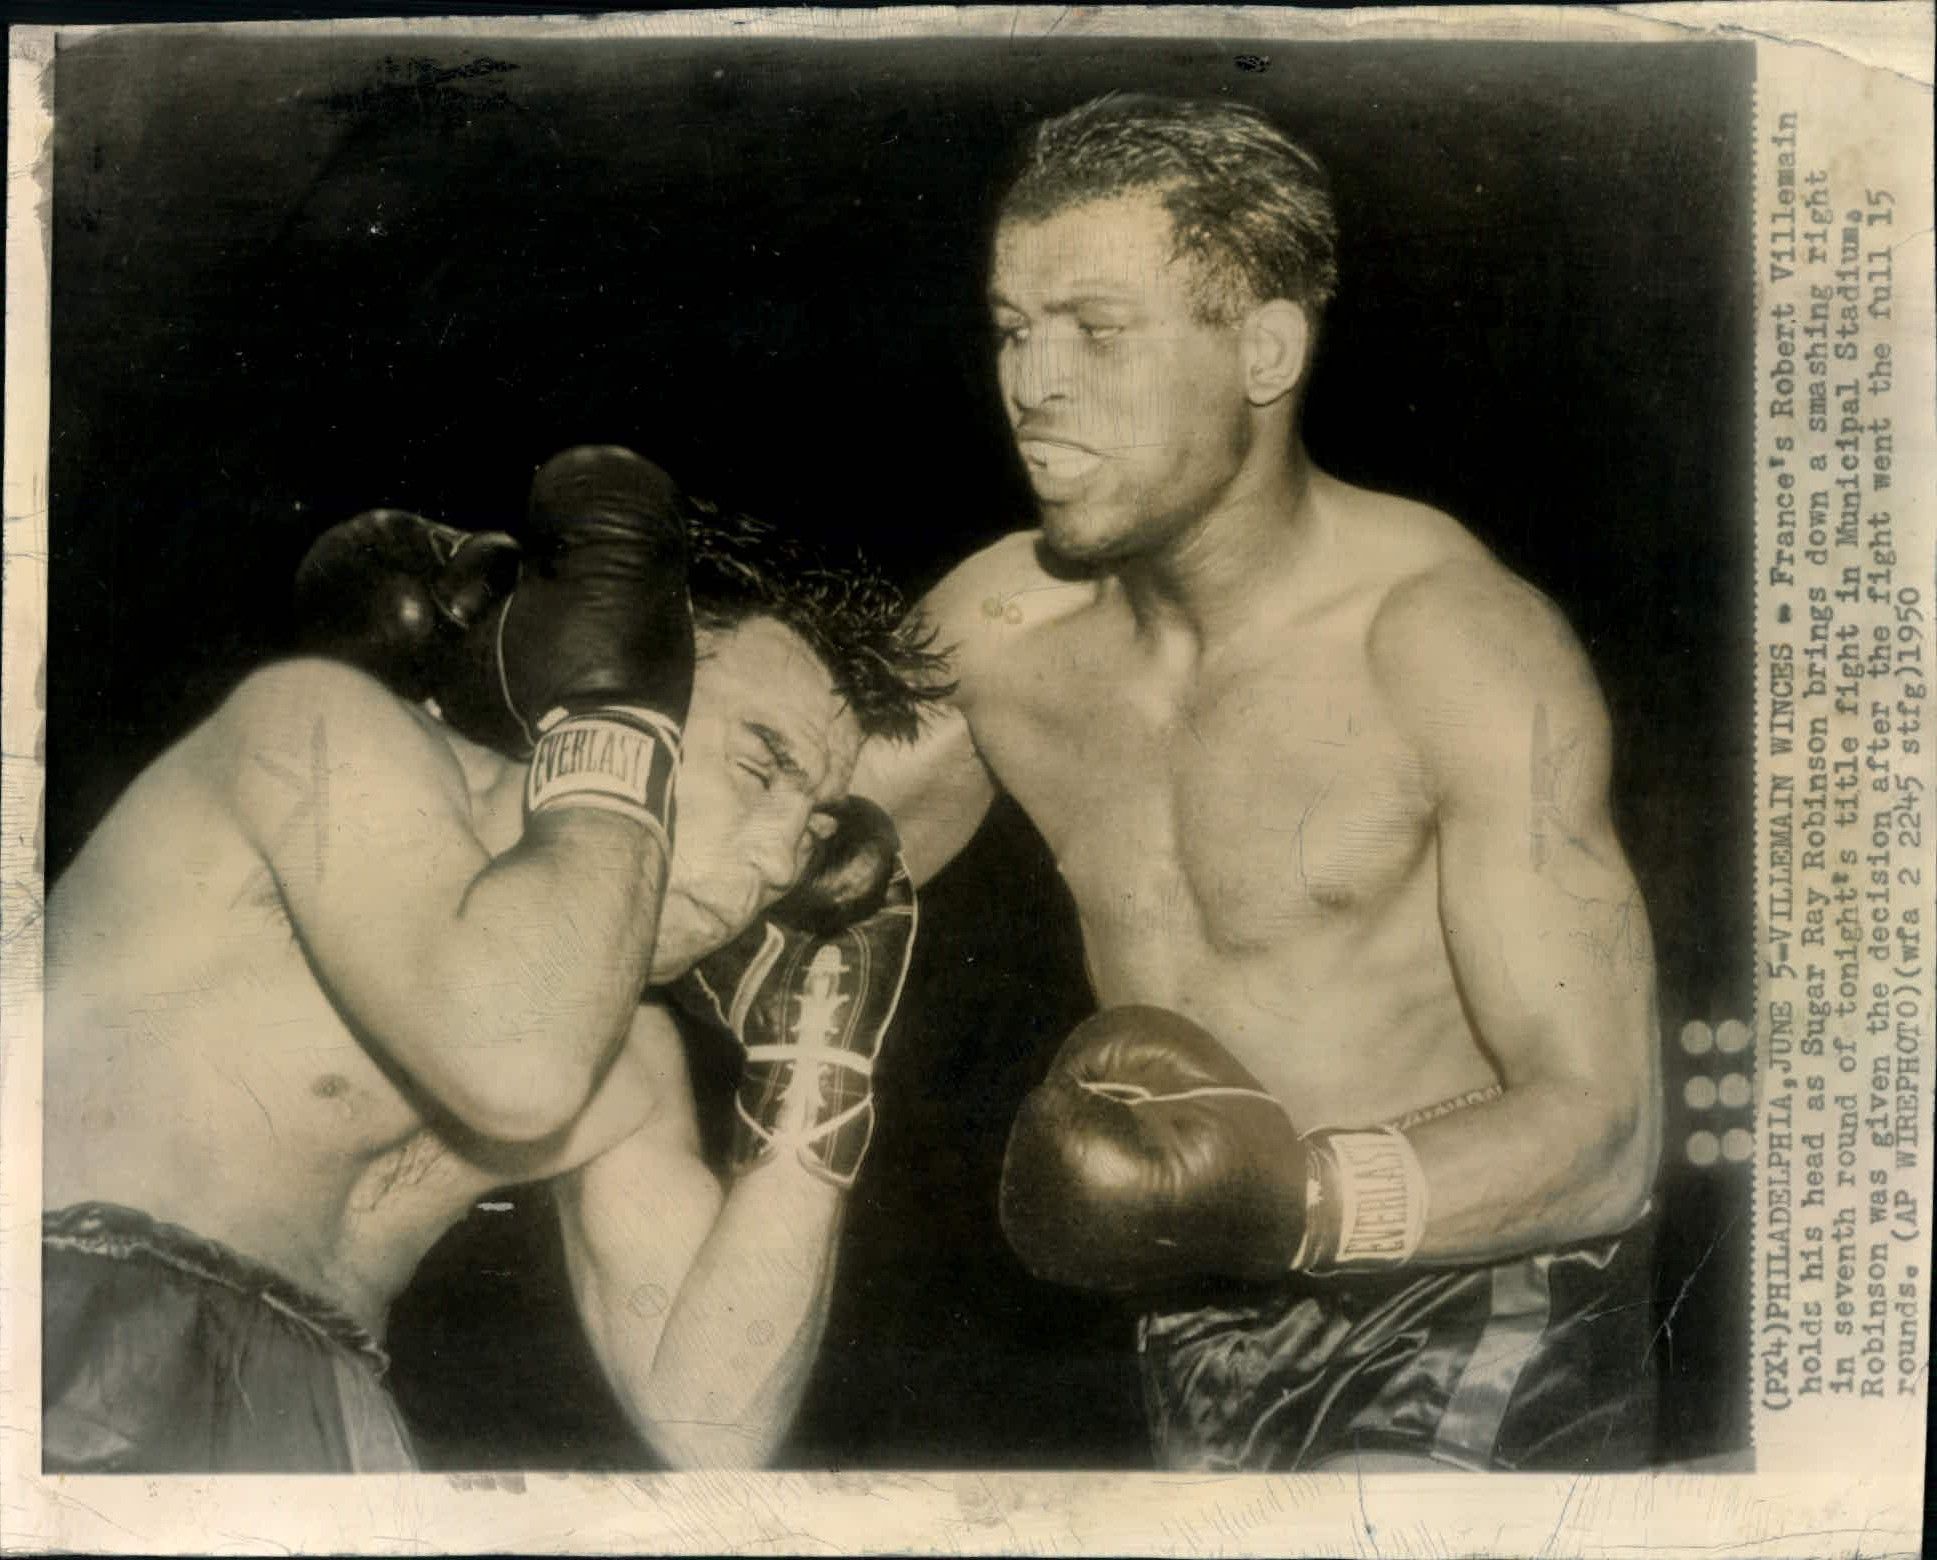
514	1066
693	1435
531	1118
1629	1142
727	1448
522	1090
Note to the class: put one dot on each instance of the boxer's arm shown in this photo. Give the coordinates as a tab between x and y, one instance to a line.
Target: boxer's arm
501	986
705	1306
1541	917
937	788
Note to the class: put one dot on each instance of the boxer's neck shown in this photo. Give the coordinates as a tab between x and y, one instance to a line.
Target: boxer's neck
1206	584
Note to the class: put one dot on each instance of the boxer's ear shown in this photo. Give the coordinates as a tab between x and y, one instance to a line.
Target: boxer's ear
1273	339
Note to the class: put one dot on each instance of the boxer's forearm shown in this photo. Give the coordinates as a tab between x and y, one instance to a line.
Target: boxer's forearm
540	971
720	1385
1547	1163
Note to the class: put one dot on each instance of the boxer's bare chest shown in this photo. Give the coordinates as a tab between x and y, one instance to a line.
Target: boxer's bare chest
1251	847
1236	809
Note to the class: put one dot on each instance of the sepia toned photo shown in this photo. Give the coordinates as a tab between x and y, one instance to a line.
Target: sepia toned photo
892	782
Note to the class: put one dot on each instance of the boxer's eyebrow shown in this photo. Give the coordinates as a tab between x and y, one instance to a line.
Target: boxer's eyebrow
1073	296
1096	289
781	752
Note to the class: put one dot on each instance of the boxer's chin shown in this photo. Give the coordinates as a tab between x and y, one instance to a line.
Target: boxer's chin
1091	533
667	968
685	937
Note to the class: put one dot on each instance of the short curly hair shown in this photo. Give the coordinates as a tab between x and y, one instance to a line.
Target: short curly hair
881	655
1249	207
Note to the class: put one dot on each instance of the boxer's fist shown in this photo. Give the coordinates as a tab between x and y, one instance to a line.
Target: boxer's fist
847	879
396	594
1150	1155
810	1006
587	667
600	618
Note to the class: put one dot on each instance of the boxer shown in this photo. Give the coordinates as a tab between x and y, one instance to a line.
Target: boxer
1369	1124
372	940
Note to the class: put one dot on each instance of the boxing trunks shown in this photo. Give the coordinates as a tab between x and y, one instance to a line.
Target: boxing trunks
1541	1363
1544	1362
162	1352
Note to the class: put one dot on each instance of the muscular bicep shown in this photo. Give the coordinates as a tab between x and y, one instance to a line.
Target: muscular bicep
936	789
361	815
501	984
1541	915
1544	921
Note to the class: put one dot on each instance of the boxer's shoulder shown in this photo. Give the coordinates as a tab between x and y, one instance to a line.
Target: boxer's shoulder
1461	604
1466	615
327	717
1468	654
1011	584
301	689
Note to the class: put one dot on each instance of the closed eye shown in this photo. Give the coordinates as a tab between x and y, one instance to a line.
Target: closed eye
764	776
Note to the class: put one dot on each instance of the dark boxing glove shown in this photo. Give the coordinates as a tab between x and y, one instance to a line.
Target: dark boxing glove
396	594
588	665
1150	1155
848	876
809	993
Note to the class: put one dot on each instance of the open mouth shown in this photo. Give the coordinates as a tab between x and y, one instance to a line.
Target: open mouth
1056	462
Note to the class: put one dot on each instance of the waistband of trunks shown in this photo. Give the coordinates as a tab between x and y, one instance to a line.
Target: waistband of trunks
1425	1113
127	1234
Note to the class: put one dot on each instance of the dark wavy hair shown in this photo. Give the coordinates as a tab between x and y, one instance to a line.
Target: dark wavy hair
881	655
1249	207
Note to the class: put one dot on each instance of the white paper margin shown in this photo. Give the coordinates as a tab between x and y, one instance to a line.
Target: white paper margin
1868	1503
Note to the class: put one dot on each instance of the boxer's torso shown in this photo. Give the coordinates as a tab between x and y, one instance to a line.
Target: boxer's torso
1248	834
196	1070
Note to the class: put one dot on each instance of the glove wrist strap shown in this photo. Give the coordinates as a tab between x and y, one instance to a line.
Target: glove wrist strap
830	1148
1366	1201
618	758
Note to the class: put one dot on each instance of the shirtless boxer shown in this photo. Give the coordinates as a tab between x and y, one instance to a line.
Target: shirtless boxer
1370	1118
343	959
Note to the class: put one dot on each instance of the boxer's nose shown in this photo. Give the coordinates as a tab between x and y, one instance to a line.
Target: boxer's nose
1038	369
777	858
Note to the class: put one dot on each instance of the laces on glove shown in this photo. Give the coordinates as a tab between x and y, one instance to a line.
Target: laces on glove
811	1012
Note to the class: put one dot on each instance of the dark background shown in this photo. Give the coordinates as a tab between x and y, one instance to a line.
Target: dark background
294	279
